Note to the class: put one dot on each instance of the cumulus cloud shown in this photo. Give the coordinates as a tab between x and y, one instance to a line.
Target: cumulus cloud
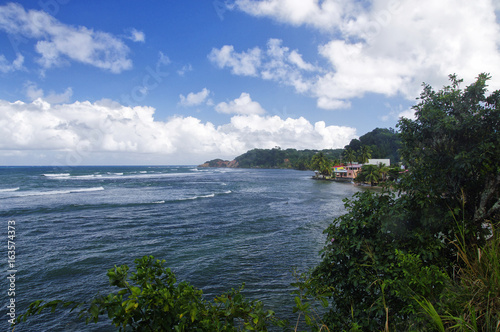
58	43
80	131
33	93
386	47
244	63
326	14
276	63
242	105
194	99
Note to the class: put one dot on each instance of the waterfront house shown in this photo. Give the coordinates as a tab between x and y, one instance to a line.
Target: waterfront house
346	172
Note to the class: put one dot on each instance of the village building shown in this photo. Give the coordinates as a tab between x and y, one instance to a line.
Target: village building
349	171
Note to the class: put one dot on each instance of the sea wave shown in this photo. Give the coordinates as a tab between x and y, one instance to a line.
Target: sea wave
56	175
9	190
90	176
208	195
114	176
59	192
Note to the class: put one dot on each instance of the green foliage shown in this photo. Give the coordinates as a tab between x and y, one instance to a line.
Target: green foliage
383	143
278	158
376	174
349	155
471	300
150	299
369	173
309	303
389	250
452	150
321	164
365	153
371	259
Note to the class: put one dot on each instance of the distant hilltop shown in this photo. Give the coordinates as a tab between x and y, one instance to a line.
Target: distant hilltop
272	158
383	144
220	163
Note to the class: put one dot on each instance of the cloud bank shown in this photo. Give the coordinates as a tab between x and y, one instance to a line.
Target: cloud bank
387	47
77	133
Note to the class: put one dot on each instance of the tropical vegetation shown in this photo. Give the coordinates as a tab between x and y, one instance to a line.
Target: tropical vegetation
396	253
383	143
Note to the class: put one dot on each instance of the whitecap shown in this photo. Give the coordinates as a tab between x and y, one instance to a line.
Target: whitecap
207	196
9	190
60	192
81	190
56	175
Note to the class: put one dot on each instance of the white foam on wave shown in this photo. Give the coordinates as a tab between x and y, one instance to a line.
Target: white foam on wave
60	192
91	176
124	176
56	175
9	190
200	196
159	202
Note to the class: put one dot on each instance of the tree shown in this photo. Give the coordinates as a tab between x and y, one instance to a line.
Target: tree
322	164
349	155
383	170
372	174
365	154
384	143
452	151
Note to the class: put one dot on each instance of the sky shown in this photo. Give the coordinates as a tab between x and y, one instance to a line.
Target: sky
165	82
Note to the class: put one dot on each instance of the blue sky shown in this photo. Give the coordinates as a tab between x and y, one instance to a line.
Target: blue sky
181	82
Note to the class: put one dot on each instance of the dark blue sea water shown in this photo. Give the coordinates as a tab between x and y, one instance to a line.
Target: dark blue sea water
216	228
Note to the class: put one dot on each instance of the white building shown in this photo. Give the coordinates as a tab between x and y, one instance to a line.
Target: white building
386	162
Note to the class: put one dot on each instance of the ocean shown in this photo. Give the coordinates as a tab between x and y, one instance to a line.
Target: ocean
215	227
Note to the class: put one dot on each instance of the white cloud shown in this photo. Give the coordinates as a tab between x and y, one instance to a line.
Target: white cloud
87	133
244	63
137	36
386	47
58	43
6	67
194	99
277	63
409	114
242	105
33	93
326	14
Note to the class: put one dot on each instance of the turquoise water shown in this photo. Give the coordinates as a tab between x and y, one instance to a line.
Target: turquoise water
216	228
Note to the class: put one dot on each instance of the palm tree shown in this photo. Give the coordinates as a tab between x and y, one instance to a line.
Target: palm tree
349	155
372	174
365	154
320	163
382	170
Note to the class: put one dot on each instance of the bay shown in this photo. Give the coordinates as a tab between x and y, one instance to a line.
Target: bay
216	228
